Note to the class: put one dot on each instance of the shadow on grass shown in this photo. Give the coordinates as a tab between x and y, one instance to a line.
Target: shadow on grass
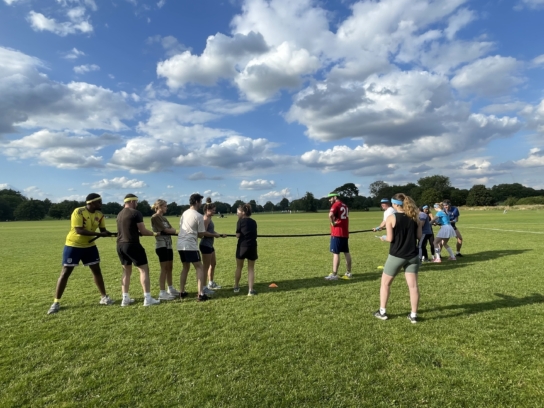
505	302
302	283
467	260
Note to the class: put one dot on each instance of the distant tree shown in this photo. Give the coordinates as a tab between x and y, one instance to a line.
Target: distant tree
65	208
502	191
324	203
439	183
284	204
56	211
309	202
5	211
144	207
369	202
376	188
479	195
237	204
458	197
222	208
414	192
429	197
510	201
296	205
47	204
112	208
253	205
531	200
269	206
11	199
358	203
30	210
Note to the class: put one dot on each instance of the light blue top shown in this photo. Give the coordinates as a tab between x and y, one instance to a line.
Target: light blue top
444	219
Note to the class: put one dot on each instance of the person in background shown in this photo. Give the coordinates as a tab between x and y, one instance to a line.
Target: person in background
163	249
446	232
246	232
453	213
339	219
427	235
387	209
206	244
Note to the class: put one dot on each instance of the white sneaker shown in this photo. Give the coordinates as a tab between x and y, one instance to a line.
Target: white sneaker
106	301
173	292
208	291
331	276
167	296
213	285
150	301
127	302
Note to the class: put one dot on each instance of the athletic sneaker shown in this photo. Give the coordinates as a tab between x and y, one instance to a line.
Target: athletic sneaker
437	260
452	258
183	295
213	285
413	320
151	301
236	290
381	316
106	301
331	276
166	296
54	308
173	292
347	276
459	254
208	292
127	302
252	293
202	298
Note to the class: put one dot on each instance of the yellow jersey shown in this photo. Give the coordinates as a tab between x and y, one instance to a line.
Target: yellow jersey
82	218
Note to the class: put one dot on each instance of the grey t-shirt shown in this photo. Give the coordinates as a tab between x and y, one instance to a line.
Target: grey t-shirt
160	223
208	241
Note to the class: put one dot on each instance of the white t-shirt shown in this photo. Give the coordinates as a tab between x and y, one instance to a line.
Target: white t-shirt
388	212
190	224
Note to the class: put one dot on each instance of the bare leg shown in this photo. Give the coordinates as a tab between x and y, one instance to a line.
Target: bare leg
206	261
250	274
411	281
335	263
98	279
183	276
65	273
125	279
459	240
162	277
169	265
144	278
385	289
238	273
348	261
211	268
200	277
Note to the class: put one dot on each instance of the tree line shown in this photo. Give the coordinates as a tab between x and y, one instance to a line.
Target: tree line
428	190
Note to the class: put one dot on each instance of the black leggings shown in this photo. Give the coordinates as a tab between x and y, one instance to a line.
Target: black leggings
423	245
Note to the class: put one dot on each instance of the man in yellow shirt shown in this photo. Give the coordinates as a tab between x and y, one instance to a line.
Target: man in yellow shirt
80	246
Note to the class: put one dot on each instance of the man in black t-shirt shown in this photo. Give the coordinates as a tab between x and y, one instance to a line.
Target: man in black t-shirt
130	224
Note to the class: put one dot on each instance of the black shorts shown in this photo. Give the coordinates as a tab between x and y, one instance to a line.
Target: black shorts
131	254
206	250
247	253
165	254
453	226
189	256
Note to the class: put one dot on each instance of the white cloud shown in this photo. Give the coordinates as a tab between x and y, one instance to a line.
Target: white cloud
538	61
5	186
169	186
530	4
78	23
200	175
488	77
258	184
534	159
145	155
458	21
117	183
83	69
169	43
276	196
74	53
30	99
10	2
161	3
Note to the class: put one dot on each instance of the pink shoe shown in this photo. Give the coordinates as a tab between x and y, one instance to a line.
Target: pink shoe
452	258
437	260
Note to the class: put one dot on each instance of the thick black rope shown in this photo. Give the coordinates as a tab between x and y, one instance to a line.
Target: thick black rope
270	236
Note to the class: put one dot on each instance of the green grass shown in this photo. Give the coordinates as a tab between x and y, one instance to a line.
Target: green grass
308	343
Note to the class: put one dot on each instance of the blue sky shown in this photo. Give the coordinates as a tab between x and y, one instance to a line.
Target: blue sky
263	99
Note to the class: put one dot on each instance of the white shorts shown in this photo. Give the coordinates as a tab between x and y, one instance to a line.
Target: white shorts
446	231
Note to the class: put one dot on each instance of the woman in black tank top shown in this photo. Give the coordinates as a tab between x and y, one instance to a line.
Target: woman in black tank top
403	232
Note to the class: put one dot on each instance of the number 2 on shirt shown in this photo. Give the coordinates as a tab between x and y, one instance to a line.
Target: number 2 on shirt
344	213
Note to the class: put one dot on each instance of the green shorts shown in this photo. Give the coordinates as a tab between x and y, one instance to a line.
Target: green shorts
393	265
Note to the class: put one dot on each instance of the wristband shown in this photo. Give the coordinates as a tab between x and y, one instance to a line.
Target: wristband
378	228
155	234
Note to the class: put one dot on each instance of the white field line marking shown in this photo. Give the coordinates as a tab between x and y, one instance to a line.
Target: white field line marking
496	229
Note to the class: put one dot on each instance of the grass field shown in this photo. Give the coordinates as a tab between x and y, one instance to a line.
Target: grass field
307	343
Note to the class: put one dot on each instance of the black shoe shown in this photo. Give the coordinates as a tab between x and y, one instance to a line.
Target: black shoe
458	254
413	320
381	316
183	295
202	298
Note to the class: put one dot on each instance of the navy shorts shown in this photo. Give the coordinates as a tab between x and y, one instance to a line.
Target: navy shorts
247	253
339	244
165	254
72	255
206	250
131	254
189	256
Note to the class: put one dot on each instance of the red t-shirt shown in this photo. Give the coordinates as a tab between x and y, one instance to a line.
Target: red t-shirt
341	216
